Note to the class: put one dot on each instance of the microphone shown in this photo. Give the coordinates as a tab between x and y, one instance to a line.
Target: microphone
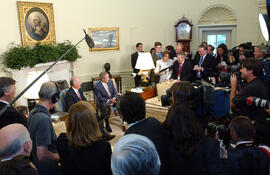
89	40
252	101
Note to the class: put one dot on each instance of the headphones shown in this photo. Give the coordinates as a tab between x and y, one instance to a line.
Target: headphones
56	96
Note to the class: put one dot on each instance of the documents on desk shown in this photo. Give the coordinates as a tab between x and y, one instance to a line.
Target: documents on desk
137	90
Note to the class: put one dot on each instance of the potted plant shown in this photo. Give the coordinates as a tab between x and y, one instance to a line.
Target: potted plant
18	57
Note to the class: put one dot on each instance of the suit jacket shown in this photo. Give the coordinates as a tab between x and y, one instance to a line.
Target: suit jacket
248	160
72	97
11	116
152	129
101	93
209	66
134	58
186	71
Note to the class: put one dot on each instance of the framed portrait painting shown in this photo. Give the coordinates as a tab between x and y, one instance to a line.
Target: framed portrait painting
105	38
36	23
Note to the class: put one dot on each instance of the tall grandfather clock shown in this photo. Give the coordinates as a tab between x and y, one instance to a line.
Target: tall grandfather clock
183	30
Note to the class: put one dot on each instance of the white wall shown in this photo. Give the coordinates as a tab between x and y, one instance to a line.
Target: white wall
143	21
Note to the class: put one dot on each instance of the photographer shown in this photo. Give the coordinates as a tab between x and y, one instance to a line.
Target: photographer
250	70
245	158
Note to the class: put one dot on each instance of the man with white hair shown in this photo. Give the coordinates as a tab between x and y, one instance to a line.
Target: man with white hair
74	94
135	155
260	52
14	140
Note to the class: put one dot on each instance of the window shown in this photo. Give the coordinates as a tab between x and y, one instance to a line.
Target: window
216	35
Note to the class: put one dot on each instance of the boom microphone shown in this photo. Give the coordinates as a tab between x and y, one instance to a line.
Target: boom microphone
89	40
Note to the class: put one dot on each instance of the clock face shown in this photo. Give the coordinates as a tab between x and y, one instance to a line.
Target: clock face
183	31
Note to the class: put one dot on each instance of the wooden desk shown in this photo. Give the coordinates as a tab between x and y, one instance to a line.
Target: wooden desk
117	79
148	92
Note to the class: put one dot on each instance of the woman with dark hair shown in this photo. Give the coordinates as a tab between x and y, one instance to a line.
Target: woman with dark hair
183	93
81	149
164	63
192	153
222	56
172	53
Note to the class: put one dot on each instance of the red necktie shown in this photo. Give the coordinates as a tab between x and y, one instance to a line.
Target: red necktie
79	95
180	68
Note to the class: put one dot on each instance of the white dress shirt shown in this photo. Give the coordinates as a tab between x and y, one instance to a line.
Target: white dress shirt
163	65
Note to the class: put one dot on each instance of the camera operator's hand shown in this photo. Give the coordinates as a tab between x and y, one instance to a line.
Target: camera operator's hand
233	81
224	152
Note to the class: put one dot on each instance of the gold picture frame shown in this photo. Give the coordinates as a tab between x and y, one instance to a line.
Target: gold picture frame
105	38
36	23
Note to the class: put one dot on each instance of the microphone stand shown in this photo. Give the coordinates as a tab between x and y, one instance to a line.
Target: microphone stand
31	84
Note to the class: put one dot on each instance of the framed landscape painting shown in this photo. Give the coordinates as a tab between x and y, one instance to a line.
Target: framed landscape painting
36	22
105	38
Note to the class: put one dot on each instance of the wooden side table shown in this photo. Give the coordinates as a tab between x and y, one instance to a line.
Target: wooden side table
148	92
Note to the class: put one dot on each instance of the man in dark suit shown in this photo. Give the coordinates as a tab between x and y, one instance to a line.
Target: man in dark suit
205	64
246	158
132	111
74	94
106	95
7	92
182	70
134	57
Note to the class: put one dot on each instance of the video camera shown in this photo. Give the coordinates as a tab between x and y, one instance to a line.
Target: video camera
225	76
248	50
223	132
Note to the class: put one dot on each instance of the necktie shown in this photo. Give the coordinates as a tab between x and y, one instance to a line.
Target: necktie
79	95
159	55
107	89
180	68
200	63
201	60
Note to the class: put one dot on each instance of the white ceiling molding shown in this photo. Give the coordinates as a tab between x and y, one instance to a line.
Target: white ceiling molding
217	14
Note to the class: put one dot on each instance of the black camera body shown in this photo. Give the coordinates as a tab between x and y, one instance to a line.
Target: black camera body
225	76
248	50
223	132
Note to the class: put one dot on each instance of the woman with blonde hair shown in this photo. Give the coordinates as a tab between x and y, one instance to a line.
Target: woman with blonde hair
81	149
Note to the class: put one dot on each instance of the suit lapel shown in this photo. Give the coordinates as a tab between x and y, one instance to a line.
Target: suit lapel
205	60
104	90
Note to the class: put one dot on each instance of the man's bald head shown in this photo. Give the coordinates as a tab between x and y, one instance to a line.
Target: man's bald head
75	82
14	140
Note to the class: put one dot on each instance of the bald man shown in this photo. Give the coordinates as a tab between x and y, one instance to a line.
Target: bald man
14	140
74	94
